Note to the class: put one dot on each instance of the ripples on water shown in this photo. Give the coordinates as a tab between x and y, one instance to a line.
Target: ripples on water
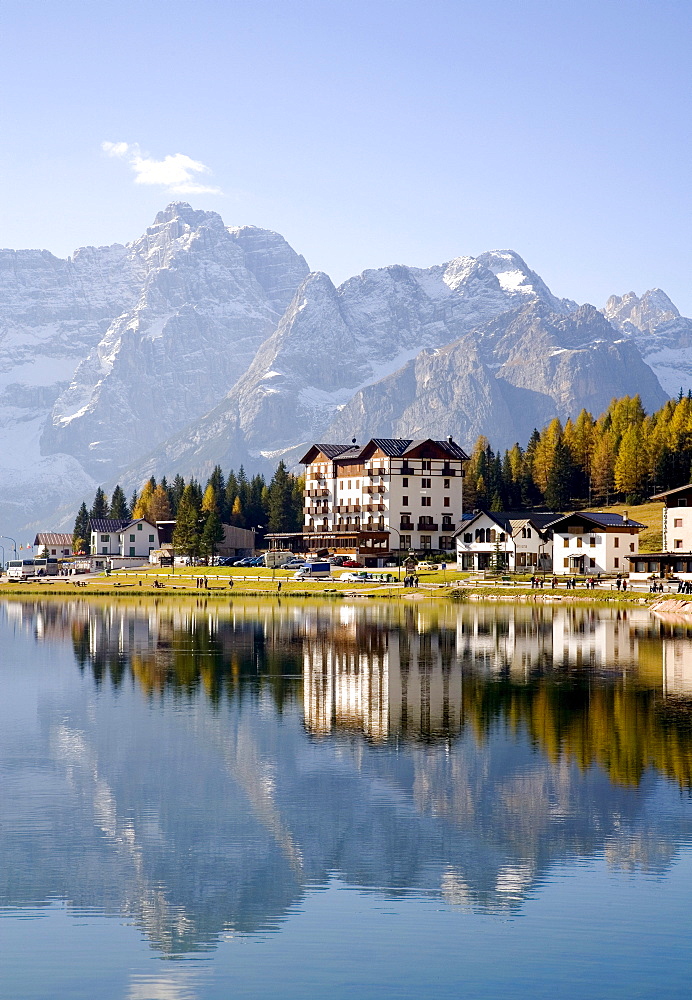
362	800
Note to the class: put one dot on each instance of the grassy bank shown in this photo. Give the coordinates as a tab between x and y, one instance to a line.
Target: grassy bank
224	583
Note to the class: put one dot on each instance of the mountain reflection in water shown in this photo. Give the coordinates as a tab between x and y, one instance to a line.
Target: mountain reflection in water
201	767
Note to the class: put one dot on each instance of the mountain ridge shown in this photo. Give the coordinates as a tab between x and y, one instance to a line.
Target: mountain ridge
200	343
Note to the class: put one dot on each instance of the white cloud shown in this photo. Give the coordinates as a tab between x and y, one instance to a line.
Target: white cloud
175	171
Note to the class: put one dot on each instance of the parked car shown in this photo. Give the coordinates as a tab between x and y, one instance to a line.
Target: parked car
351	563
337	560
356	577
293	564
426	566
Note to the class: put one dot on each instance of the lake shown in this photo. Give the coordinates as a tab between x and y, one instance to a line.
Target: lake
344	800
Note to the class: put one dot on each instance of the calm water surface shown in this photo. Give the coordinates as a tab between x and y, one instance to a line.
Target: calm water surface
329	800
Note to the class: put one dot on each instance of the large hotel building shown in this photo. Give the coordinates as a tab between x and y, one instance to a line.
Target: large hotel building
390	494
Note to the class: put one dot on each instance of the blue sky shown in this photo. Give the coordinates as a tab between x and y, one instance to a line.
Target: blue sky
368	133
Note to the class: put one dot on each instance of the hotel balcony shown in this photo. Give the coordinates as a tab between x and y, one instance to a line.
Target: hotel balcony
426	527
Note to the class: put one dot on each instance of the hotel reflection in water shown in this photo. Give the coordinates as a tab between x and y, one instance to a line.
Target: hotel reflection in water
405	678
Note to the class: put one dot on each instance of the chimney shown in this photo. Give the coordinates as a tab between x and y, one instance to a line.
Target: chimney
624	516
450	439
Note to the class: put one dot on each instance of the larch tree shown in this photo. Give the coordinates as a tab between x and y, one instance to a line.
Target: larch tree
159	505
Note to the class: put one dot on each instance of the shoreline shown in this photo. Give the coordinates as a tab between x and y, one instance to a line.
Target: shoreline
101	587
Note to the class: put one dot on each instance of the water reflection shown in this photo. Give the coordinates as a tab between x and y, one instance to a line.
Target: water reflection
202	767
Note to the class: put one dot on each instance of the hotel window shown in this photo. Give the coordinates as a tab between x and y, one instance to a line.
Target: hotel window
682	503
677	522
631	546
349	484
565	563
139	527
616	542
425	484
151	538
404	541
426	465
445	502
446	484
404	501
566	543
579	543
616	562
132	538
592	563
426	501
426	541
468	537
678	543
357	484
105	538
404	481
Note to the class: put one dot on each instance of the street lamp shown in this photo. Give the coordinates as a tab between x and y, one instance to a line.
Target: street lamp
2	565
13	543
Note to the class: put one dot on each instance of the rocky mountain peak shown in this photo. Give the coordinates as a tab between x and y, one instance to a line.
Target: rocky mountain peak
644	314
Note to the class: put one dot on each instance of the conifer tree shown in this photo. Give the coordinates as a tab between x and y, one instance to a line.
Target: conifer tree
558	492
186	533
212	534
81	535
99	508
118	508
177	492
280	500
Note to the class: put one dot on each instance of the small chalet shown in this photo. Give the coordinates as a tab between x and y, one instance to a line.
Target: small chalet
113	538
515	540
589	542
53	545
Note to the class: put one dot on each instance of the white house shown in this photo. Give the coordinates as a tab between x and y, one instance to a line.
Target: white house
138	538
517	539
589	543
53	545
115	539
105	535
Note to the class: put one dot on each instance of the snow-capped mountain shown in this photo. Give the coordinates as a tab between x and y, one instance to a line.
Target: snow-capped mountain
363	359
663	336
200	316
200	343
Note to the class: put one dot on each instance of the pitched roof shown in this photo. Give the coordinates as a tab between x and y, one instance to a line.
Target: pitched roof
511	520
107	525
392	447
53	538
137	520
398	447
334	450
667	493
604	519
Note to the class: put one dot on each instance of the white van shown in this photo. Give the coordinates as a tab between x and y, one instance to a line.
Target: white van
276	558
314	571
